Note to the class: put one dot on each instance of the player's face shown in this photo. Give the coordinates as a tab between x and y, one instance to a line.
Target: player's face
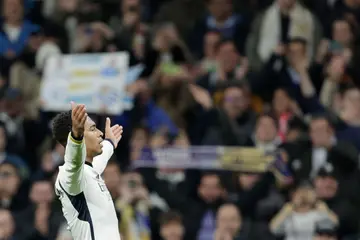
93	139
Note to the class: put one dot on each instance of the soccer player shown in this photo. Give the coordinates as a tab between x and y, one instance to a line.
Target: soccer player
86	202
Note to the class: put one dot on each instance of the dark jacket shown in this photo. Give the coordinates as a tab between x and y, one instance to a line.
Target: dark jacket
236	29
343	157
29	232
253	231
193	210
347	214
219	130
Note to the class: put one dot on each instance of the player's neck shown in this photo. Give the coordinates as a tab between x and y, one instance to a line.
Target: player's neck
89	161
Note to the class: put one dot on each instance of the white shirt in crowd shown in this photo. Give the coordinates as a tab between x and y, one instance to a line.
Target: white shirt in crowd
13	33
301	226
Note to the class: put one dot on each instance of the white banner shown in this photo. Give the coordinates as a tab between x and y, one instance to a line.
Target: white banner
96	80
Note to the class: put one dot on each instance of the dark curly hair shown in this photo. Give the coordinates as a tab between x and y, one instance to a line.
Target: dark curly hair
170	217
61	126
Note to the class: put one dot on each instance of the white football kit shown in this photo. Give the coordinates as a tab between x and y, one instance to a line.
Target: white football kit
86	202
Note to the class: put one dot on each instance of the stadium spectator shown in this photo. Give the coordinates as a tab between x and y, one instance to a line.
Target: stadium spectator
350	113
93	38
136	208
139	140
208	62
228	222
234	106
16	33
13	189
281	22
199	214
223	19
171	227
43	213
325	150
231	66
265	136
284	108
299	218
131	33
326	188
5	156
46	46
172	11
50	160
257	199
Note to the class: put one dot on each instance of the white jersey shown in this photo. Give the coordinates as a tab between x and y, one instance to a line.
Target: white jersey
86	203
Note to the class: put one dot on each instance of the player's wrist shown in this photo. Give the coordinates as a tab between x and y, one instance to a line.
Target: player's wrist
76	135
110	141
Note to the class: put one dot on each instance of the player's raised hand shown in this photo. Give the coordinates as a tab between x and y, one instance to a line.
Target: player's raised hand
78	117
114	133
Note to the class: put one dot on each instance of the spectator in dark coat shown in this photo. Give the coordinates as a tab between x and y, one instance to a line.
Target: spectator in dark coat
13	190
256	196
325	151
258	201
222	19
12	158
43	216
326	188
348	127
233	123
200	213
24	135
230	67
286	68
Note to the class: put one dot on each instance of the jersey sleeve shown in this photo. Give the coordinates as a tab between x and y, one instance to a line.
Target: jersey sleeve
70	176
99	162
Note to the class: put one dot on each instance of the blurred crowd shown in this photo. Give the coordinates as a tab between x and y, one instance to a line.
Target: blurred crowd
269	74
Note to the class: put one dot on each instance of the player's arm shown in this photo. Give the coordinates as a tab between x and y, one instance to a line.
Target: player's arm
112	137
71	174
99	162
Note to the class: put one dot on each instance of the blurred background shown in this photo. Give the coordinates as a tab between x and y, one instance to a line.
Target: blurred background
267	74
